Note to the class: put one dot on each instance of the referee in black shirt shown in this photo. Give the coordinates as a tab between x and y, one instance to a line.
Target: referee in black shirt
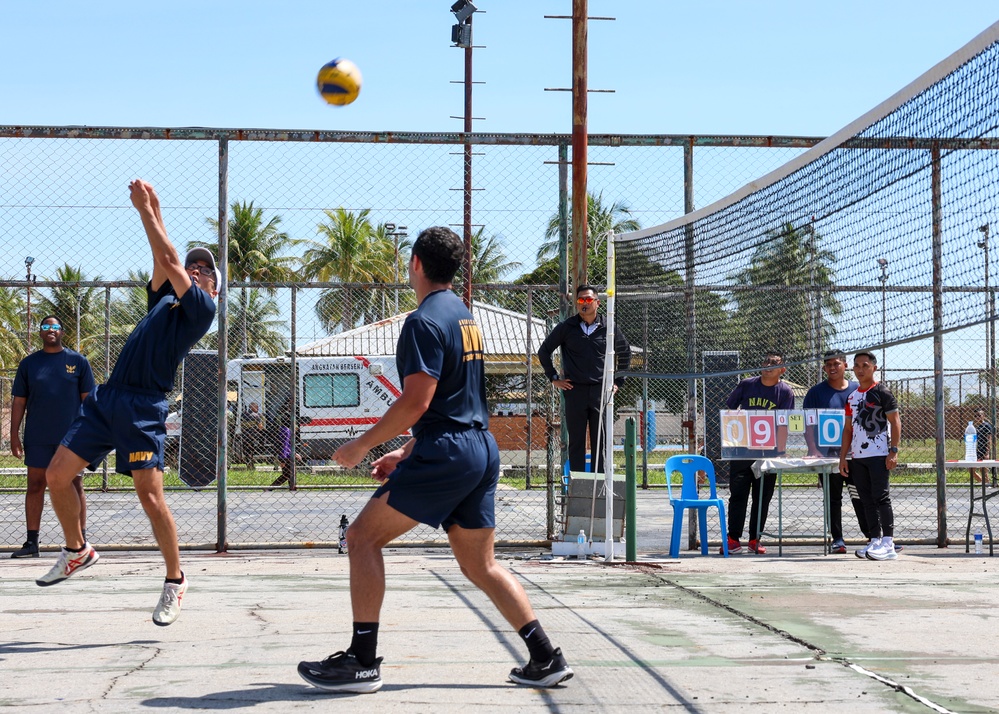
583	340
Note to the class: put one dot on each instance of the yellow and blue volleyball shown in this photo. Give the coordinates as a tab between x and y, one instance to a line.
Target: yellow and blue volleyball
339	82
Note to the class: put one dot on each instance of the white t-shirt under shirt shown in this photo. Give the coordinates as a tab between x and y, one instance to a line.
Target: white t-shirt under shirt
868	413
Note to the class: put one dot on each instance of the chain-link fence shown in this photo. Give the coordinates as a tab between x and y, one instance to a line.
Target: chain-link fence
319	227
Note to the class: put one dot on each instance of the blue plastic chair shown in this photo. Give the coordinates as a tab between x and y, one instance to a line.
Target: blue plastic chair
688	465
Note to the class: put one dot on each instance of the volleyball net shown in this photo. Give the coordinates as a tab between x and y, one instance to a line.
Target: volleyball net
875	237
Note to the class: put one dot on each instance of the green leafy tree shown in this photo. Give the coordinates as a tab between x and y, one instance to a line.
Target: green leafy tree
12	328
601	219
255	253
785	277
265	327
73	302
349	250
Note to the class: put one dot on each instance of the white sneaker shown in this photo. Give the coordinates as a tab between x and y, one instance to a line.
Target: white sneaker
884	551
69	563
168	608
862	552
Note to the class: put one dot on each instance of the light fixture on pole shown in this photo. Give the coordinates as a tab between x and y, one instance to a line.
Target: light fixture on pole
397	232
883	264
28	262
990	344
461	34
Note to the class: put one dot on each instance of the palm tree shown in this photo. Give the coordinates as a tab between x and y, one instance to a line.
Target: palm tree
601	219
351	250
265	333
255	251
777	313
12	314
72	303
126	313
490	265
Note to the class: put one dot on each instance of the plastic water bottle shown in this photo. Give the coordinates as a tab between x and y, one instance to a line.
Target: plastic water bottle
971	442
343	534
581	545
978	541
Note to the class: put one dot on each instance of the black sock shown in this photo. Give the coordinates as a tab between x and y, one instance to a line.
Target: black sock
537	641
33	536
77	550
364	642
177	581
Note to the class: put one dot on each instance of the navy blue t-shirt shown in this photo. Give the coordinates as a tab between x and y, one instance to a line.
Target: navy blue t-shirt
159	343
52	383
753	394
442	339
824	396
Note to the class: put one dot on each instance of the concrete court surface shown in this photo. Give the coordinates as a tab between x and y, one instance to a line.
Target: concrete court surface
802	633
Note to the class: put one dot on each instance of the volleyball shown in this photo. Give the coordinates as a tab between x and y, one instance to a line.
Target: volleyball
339	82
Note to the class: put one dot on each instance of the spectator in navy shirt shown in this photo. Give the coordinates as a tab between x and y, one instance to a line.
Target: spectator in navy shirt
766	392
50	385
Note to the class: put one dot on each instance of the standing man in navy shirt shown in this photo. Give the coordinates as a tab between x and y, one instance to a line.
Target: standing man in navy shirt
50	385
445	476
583	343
128	414
766	392
832	393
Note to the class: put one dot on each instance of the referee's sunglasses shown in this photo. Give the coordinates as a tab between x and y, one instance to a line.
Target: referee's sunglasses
585	300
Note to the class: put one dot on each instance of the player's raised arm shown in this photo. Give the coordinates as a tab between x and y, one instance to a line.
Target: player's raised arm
166	263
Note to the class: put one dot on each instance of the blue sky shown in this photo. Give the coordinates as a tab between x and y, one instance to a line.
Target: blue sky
706	67
777	67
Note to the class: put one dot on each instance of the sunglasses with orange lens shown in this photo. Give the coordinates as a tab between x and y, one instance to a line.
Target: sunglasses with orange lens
585	300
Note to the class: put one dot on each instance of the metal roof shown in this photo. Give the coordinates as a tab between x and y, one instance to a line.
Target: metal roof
505	334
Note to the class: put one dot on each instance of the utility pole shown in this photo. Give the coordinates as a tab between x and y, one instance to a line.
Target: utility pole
461	35
579	142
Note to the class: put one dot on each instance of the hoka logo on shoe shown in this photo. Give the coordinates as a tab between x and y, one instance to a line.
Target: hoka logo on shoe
366	673
140	456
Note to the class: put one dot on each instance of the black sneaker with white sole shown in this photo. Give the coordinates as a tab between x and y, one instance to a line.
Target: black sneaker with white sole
342	672
543	674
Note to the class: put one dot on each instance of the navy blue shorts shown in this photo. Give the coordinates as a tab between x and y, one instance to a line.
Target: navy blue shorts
449	478
132	422
38	456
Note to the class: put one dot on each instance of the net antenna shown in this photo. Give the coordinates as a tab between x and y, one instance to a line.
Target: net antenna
607	400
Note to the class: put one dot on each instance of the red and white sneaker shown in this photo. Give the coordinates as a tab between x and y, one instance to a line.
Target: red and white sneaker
168	608
755	547
734	546
69	563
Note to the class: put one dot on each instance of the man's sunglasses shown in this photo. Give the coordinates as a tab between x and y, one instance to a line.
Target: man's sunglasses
585	300
203	269
46	328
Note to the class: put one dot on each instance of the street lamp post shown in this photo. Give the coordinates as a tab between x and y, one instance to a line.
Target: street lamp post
397	232
883	264
990	344
30	279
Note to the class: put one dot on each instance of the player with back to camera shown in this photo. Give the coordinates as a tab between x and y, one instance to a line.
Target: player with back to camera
128	414
445	476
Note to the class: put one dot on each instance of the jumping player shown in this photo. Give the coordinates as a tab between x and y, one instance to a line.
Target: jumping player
445	476
128	414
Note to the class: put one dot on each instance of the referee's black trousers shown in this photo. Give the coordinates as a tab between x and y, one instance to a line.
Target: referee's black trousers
582	414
